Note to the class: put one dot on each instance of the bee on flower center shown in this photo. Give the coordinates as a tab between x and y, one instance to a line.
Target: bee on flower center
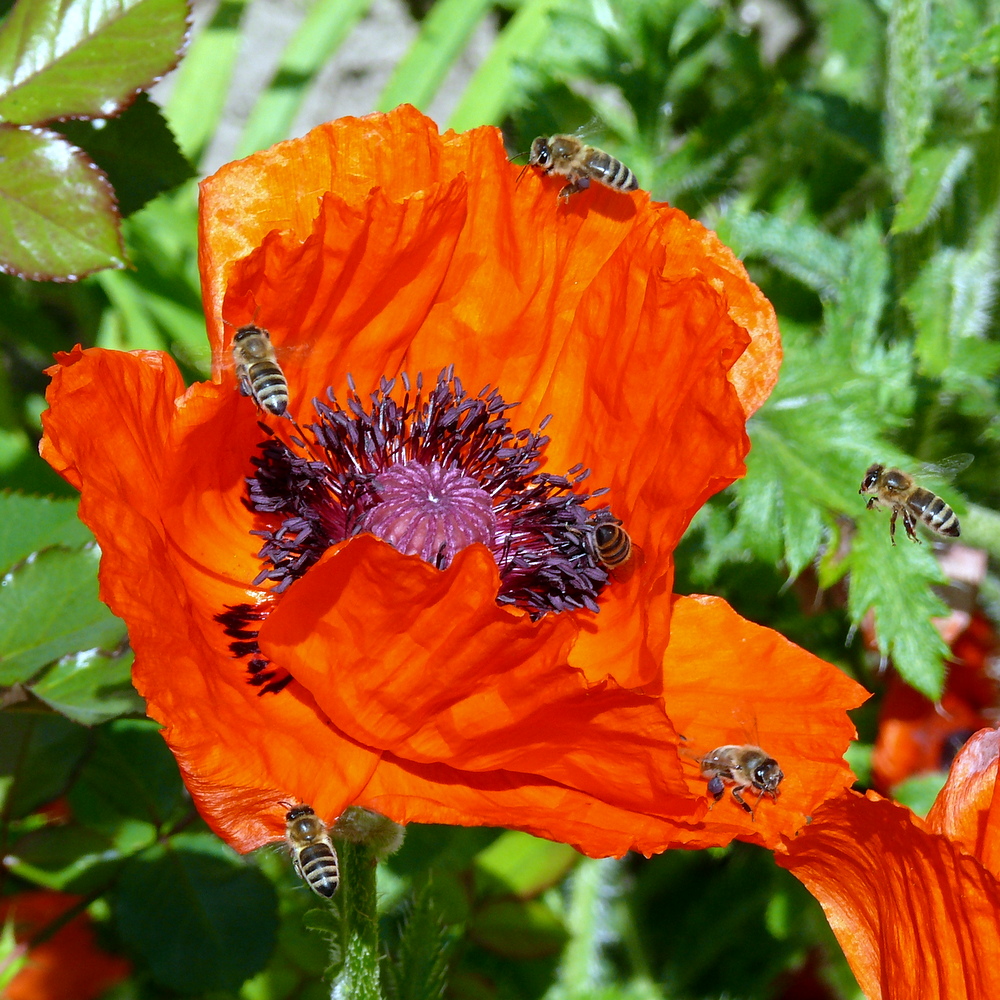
899	491
608	542
314	857
745	768
257	370
568	157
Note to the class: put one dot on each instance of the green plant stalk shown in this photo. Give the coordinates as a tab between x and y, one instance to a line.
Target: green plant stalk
358	978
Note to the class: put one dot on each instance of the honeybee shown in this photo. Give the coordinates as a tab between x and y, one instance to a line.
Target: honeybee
314	857
744	767
895	489
580	164
257	369
607	541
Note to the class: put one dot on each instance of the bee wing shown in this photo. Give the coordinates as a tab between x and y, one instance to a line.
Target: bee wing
946	469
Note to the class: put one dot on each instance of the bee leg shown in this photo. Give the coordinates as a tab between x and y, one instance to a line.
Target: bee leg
892	525
871	503
716	788
575	184
910	524
244	386
745	806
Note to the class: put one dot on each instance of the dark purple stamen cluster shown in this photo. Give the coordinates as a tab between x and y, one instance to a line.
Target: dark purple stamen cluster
430	475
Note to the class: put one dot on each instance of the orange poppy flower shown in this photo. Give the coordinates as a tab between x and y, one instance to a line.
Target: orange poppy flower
398	600
915	904
66	966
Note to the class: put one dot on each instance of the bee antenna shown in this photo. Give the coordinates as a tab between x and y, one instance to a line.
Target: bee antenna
521	173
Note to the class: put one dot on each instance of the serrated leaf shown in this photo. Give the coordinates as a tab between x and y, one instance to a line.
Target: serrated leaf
29	523
817	259
521	864
135	150
444	34
201	919
49	607
418	964
935	173
90	687
38	756
129	775
928	301
84	58
895	582
58	219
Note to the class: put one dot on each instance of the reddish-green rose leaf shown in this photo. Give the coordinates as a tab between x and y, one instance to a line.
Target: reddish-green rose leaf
137	152
84	58
58	218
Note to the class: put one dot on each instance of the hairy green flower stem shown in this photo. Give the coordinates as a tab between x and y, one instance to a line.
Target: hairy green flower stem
357	903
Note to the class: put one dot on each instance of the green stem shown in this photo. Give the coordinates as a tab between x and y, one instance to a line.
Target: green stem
357	901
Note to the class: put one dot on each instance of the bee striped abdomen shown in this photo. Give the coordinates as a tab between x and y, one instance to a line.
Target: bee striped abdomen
934	512
320	869
612	172
269	386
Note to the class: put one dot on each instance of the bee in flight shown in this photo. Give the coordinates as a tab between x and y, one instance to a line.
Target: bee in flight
607	541
580	164
314	857
746	768
895	489
257	370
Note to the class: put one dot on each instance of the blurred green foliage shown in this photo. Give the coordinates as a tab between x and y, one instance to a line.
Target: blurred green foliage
847	151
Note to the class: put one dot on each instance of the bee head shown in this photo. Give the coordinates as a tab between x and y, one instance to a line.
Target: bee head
871	477
767	775
540	155
298	811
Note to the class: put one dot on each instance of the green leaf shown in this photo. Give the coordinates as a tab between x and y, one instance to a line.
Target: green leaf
38	756
443	37
135	150
909	87
66	858
323	31
935	173
919	791
131	774
58	218
489	93
817	259
523	865
28	524
84	58
199	917
418	964
928	301
896	583
90	687
49	607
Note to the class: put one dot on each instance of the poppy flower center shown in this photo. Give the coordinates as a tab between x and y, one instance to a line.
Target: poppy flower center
430	511
429	474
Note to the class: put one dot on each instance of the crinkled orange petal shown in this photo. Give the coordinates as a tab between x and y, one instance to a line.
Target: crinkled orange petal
66	966
916	916
967	809
613	314
160	488
729	681
425	664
